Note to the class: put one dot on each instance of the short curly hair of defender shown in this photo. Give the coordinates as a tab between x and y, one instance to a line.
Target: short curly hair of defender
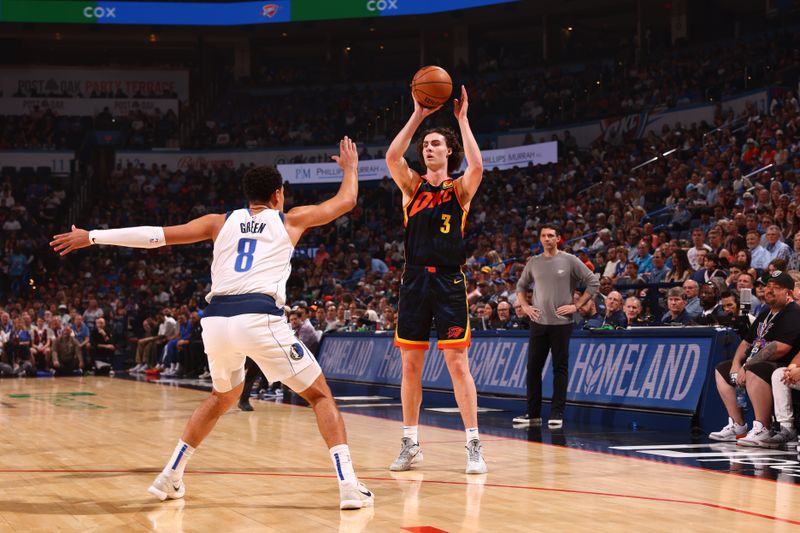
259	183
452	142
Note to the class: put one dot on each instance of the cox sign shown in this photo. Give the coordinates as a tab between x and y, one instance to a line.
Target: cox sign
100	12
381	5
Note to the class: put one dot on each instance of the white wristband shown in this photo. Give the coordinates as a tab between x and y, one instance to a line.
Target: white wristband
136	237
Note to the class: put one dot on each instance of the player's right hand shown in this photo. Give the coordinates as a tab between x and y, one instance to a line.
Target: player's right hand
348	154
421	111
65	243
530	311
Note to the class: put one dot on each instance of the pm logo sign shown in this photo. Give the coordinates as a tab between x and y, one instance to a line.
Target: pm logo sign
663	373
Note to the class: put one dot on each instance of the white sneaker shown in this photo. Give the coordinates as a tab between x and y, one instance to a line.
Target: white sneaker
755	436
410	454
355	496
729	433
527	420
475	462
163	488
780	439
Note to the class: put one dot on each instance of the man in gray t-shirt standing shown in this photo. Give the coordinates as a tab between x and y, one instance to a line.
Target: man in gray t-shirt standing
554	275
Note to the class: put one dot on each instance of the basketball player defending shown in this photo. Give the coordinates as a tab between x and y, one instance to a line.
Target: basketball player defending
433	288
252	252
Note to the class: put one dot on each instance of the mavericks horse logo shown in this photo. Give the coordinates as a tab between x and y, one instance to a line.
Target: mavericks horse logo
297	351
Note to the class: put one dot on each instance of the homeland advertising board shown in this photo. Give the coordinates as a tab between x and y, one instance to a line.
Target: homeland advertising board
654	372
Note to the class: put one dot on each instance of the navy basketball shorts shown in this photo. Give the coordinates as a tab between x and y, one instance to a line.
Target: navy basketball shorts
432	297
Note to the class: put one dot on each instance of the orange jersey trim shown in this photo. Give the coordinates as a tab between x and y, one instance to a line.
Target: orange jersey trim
464	209
410	345
456	343
408	203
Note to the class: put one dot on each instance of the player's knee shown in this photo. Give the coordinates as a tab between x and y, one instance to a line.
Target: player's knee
412	366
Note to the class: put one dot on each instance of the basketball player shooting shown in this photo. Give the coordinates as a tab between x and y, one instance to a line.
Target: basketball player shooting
433	289
252	252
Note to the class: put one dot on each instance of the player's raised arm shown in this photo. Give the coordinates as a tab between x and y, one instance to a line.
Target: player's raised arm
472	177
405	177
303	217
199	229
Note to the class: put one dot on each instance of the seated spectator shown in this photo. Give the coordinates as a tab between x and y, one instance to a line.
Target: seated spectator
21	340
588	317
487	319
631	277
794	257
699	247
41	345
681	269
712	313
605	288
692	292
759	257
523	321
614	315
710	269
676	305
67	354
303	330
771	343
504	318
775	248
643	259
102	346
659	271
633	313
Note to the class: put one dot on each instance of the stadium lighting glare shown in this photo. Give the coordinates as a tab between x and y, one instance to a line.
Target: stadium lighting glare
569	28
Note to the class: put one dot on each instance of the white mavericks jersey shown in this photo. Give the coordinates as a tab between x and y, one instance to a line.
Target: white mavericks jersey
252	254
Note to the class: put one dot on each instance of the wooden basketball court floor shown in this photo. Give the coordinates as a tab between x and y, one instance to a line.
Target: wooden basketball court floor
78	455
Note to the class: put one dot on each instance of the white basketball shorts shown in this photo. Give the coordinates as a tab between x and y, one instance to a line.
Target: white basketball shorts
266	339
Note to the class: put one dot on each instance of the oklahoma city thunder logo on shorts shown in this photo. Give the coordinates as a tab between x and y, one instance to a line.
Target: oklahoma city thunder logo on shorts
297	352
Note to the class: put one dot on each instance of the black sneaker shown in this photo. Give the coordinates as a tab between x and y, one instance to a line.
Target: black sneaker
556	420
245	406
527	420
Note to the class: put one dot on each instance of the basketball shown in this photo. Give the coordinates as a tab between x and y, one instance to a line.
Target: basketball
431	86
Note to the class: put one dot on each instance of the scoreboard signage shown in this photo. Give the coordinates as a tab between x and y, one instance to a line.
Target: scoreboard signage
220	13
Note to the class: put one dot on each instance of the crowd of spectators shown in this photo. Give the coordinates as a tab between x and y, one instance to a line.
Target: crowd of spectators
674	241
504	96
44	129
719	233
284	106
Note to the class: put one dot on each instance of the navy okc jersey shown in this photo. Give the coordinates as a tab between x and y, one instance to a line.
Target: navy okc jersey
434	220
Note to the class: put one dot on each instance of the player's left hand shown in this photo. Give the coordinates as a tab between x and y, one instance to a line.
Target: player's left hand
569	309
460	106
65	243
348	154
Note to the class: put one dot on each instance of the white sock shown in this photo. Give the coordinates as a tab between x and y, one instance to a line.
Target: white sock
177	463
411	433
757	425
472	434
340	455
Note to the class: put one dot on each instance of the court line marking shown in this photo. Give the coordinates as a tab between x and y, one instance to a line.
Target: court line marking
432	481
520	439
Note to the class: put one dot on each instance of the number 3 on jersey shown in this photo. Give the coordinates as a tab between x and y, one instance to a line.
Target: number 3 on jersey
445	224
246	249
